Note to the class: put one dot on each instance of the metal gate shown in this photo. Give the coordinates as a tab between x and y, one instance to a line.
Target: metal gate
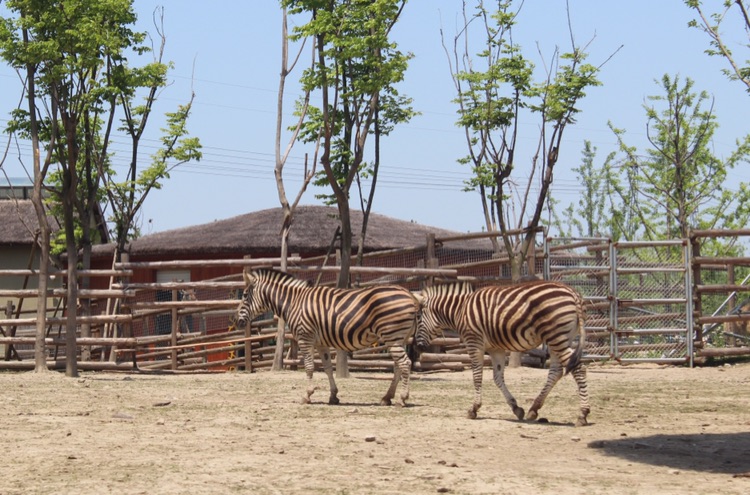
637	296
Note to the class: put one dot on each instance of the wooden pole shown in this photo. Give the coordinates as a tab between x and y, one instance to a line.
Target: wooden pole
248	350
124	257
342	360
175	326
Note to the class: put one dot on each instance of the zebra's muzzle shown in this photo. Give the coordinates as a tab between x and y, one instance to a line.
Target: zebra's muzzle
242	319
421	344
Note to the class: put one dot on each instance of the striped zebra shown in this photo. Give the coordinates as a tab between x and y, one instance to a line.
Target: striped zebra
511	318
344	319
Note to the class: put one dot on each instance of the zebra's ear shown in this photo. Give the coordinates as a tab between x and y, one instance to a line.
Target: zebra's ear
249	279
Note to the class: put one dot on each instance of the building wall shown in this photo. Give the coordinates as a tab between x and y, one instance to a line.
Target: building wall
16	258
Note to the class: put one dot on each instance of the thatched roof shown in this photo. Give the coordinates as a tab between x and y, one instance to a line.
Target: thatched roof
18	222
259	233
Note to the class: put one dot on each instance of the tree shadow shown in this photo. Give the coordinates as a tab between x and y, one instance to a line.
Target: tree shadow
710	452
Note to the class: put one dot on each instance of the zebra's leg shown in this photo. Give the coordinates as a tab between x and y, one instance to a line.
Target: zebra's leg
477	365
498	374
306	349
401	371
391	393
579	374
554	375
325	357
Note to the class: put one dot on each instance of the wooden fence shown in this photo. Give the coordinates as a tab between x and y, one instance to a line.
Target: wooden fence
187	325
190	330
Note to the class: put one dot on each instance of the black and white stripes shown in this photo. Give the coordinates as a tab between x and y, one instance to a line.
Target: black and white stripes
519	317
346	319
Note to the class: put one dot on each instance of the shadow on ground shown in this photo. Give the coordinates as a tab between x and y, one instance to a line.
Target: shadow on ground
711	452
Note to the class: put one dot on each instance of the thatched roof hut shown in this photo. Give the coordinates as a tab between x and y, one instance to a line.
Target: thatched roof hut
18	222
258	234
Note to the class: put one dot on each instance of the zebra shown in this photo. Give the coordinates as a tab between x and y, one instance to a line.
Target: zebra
344	319
520	317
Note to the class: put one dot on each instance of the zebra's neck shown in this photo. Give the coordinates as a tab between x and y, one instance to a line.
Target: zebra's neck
280	299
452	309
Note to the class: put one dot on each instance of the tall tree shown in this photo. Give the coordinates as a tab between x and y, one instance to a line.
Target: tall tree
134	93
281	159
679	182
16	48
356	69
494	88
79	49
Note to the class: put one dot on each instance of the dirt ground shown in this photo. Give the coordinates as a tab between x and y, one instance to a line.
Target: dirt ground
653	430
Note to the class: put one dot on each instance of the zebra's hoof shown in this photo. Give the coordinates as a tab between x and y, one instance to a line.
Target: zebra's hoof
333	401
520	413
385	401
582	422
305	400
472	414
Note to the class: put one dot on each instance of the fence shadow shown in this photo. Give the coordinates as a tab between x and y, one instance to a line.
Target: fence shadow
711	452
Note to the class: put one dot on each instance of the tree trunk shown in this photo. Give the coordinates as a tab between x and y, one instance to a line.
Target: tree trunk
516	262
71	358
85	308
68	202
40	351
278	353
342	361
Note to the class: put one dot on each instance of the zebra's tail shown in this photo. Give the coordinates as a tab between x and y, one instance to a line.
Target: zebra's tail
575	359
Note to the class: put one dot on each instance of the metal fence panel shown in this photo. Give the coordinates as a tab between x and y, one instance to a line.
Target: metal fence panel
653	302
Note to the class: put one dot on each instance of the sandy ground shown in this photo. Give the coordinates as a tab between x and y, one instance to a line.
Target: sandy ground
655	430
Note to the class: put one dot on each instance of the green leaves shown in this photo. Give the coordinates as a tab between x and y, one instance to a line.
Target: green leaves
78	50
356	71
678	183
724	28
495	87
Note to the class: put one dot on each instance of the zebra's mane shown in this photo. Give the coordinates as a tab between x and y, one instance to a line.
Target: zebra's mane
273	276
449	289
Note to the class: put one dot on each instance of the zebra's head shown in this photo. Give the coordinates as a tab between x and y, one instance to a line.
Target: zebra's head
250	305
438	310
427	325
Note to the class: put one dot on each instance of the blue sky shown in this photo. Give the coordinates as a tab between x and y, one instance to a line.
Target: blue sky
230	55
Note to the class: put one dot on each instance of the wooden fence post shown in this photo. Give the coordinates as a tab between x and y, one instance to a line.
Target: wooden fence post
124	258
731	339
175	327
248	349
8	314
431	260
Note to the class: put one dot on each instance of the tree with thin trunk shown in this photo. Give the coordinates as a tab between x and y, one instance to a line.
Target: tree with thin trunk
495	89
678	181
81	78
13	50
281	159
608	205
356	69
355	72
126	197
